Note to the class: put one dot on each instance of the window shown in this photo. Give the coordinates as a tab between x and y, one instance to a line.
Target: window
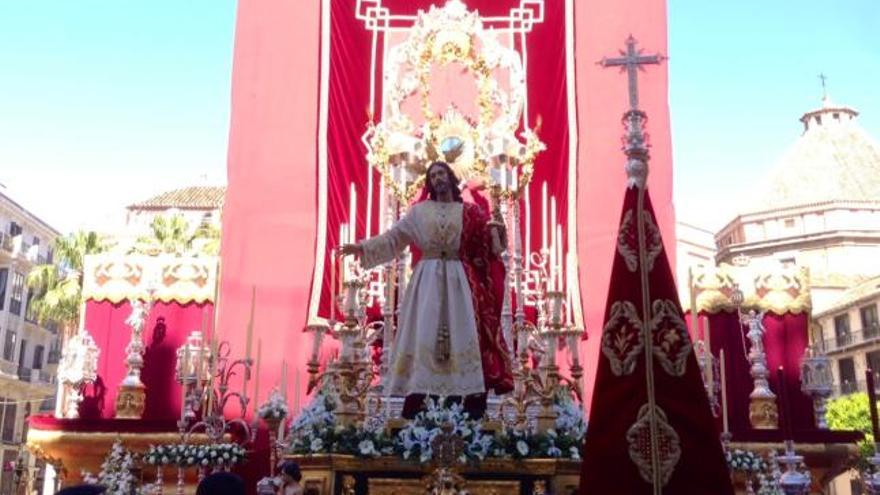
872	359
870	324
14	229
789	223
847	371
788	262
9	345
22	353
17	293
4	275
8	416
841	330
36	241
38	357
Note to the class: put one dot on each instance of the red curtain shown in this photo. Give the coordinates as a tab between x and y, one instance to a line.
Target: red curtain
349	105
166	329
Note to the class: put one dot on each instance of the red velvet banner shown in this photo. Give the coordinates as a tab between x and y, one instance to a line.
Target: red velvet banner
166	329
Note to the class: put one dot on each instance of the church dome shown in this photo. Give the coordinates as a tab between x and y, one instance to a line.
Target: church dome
833	160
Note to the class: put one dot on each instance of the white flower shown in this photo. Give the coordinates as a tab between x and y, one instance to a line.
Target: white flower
575	453
367	447
522	447
554	451
317	445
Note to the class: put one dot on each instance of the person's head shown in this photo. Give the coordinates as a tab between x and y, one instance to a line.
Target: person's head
441	179
221	484
83	490
290	471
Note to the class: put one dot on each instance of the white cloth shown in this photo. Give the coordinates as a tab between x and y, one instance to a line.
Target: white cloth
434	227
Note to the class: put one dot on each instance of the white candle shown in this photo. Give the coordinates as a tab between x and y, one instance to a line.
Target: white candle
284	379
345	260
352	214
726	426
184	372
528	205
257	374
250	327
332	285
513	179
553	242
544	217
559	259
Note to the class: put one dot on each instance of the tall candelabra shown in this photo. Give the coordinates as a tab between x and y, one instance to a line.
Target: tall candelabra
352	374
763	411
793	481
131	400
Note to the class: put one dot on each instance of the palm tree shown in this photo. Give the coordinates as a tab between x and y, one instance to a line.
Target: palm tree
57	287
172	235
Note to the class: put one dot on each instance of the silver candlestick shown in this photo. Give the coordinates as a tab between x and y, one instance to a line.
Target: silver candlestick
763	412
793	481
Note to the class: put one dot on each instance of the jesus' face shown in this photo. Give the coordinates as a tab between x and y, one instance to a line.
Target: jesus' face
439	179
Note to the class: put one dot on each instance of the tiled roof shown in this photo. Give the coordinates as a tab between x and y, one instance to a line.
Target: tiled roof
196	197
833	160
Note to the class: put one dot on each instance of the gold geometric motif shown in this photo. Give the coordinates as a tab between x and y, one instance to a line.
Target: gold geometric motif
622	338
670	337
668	445
628	241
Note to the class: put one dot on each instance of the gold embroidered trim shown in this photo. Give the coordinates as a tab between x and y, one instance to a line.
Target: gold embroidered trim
668	445
627	242
622	338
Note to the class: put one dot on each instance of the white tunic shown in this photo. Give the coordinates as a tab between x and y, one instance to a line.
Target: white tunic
416	365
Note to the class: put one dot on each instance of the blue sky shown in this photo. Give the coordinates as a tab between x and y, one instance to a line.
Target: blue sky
107	102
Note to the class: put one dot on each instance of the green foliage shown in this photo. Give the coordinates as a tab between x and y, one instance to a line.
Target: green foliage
173	235
58	287
851	412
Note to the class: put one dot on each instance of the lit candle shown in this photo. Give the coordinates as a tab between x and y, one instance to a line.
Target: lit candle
872	404
724	421
352	218
257	374
544	217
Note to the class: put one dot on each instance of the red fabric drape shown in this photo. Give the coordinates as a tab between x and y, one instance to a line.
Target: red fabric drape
166	329
348	106
785	339
618	398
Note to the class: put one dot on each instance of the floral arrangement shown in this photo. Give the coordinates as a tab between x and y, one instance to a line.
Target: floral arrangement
220	455
414	441
274	409
746	461
316	431
564	441
117	473
761	473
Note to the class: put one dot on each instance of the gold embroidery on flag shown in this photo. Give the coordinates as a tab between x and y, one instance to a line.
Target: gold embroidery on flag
668	445
622	338
669	334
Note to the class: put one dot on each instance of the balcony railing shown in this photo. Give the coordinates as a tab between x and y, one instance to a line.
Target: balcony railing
851	387
844	341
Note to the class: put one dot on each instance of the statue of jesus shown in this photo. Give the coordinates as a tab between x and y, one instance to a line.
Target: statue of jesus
449	341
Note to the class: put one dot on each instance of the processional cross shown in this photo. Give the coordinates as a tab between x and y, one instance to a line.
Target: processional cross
632	61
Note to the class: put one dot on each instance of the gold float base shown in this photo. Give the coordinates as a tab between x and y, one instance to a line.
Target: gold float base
348	475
